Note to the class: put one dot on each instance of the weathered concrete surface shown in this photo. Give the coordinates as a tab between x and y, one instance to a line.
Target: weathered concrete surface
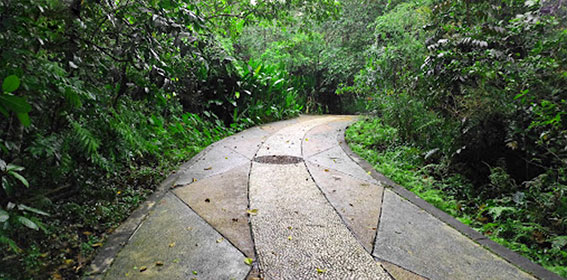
414	239
276	126
399	273
215	161
297	232
222	201
287	141
324	137
336	158
318	139
182	242
358	202
247	142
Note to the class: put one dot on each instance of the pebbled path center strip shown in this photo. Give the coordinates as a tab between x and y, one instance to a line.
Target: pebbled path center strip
297	233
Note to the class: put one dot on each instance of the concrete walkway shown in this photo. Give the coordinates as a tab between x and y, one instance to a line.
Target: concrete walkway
286	201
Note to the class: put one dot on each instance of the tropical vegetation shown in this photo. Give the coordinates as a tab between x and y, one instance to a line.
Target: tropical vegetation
102	99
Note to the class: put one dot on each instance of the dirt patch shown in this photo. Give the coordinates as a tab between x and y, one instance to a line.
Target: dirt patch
273	159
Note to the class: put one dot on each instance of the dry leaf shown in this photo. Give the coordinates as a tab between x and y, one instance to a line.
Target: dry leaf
220	240
209	168
172	244
252	212
143	268
158	263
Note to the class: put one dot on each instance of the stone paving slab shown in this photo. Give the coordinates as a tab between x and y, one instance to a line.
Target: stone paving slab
222	201
357	201
287	141
297	232
414	239
318	139
215	161
400	273
335	158
182	242
247	142
276	126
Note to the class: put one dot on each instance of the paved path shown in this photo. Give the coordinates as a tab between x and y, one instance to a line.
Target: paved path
287	197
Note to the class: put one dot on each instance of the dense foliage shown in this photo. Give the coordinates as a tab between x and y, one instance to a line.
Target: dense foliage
101	99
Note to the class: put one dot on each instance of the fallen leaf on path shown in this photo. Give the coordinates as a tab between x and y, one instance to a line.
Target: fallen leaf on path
209	168
290	227
321	270
326	170
189	228
96	245
158	263
248	261
252	211
176	261
289	238
143	268
207	200
195	272
172	244
220	240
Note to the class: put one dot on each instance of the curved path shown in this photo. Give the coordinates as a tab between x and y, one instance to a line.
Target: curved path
285	201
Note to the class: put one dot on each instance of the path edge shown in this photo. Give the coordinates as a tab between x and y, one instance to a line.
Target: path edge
510	256
121	235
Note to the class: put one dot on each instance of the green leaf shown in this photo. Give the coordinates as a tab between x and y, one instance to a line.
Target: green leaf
24	118
14	103
4	216
248	261
31	209
11	83
10	243
20	178
28	223
237	94
13	167
3	111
